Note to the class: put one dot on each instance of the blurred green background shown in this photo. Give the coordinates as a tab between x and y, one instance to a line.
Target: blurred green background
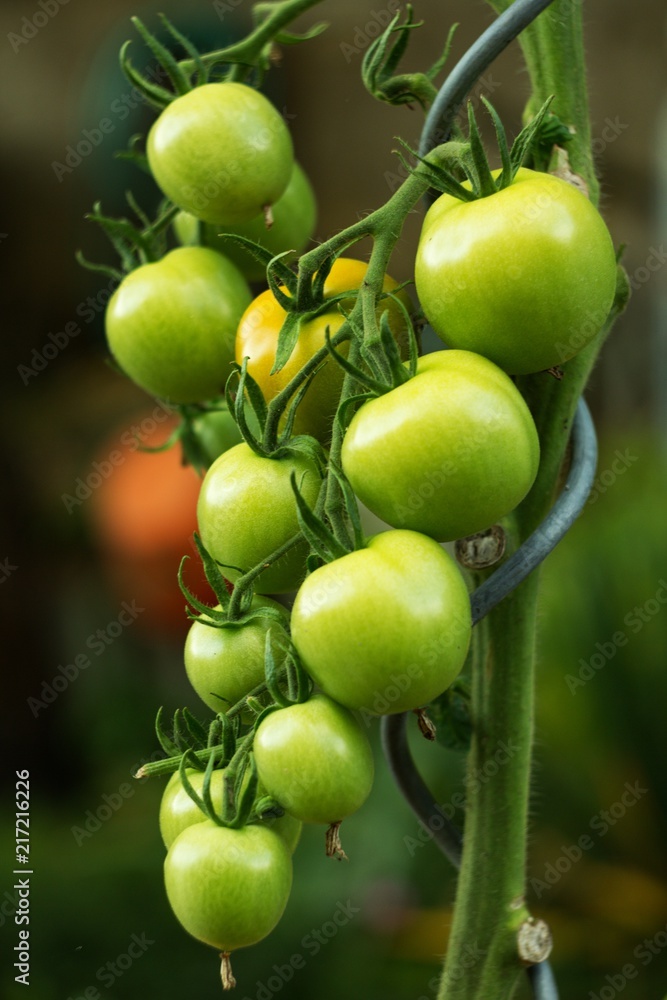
68	567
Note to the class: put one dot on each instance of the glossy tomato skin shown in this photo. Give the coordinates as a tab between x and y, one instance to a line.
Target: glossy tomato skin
171	325
447	453
519	276
294	218
315	760
225	664
386	628
257	339
221	152
228	888
216	431
247	510
178	811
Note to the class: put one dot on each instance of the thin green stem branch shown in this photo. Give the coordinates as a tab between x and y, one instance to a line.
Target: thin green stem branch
248	51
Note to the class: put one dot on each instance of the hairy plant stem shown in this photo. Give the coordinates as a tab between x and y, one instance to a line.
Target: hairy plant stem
247	52
482	960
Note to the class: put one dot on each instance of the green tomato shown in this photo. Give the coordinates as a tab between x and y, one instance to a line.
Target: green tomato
228	888
178	811
225	664
221	152
386	628
447	453
294	216
215	431
171	325
525	277
247	510
315	760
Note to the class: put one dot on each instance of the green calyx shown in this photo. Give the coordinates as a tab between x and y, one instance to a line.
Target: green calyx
469	160
383	56
134	244
245	60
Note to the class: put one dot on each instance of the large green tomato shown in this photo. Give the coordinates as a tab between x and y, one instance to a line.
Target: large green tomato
315	760
228	888
171	325
294	216
247	510
525	276
386	628
448	452
225	664
221	152
178	810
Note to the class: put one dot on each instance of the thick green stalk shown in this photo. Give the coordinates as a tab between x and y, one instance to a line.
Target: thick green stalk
483	961
553	47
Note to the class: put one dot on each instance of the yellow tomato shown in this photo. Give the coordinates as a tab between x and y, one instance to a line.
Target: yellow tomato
257	339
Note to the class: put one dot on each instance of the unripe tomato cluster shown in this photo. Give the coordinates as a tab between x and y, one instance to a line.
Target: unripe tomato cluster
446	453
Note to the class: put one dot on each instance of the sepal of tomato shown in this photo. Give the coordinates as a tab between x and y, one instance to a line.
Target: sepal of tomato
525	276
179	811
385	628
448	453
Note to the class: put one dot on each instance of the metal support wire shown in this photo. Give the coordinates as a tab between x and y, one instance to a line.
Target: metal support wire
479	57
560	519
566	509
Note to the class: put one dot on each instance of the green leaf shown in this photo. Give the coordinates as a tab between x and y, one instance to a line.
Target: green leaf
450	713
315	531
287	338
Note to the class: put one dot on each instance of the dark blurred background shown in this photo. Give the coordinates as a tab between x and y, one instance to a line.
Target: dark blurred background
81	685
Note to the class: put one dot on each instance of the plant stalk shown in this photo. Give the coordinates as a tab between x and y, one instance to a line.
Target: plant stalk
482	961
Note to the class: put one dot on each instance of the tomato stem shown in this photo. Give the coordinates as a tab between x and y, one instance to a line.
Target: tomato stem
490	909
